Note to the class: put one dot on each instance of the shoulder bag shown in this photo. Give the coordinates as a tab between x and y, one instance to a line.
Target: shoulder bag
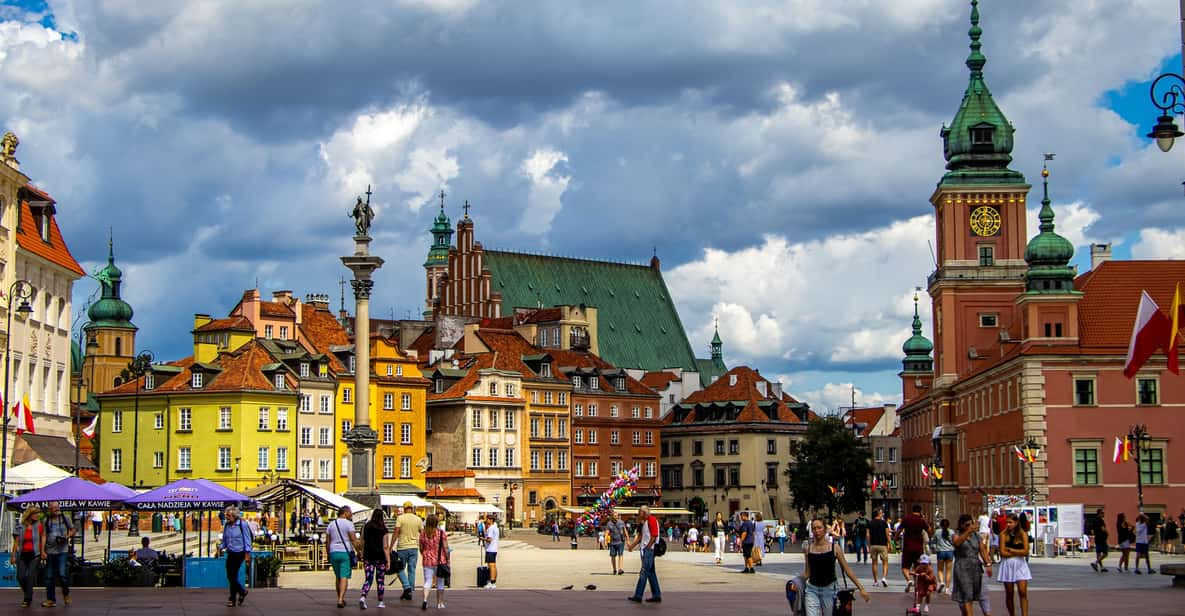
349	543
845	598
443	571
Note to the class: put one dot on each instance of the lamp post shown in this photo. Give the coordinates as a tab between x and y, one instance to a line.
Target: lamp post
91	345
1168	95
1031	448
137	368
511	486
237	474
1138	434
24	291
883	488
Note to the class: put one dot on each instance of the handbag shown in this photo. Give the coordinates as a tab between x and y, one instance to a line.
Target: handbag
349	545
660	547
443	571
844	599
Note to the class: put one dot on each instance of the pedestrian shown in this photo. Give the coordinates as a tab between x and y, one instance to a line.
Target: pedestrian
1126	534
1142	542
1171	533
720	533
408	527
924	584
746	532
1014	568
985	527
236	543
28	551
971	561
648	534
913	545
1100	537
293	520
376	556
59	530
573	536
618	535
781	533
96	524
878	542
481	534
555	531
493	534
822	556
339	541
692	538
435	552
944	549
758	539
860	530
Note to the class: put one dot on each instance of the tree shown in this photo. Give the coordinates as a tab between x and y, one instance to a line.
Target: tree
829	456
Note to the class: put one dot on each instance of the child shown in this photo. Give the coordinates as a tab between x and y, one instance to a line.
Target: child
924	584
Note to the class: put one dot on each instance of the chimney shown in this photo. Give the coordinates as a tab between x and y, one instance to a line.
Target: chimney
283	297
777	389
1099	254
319	301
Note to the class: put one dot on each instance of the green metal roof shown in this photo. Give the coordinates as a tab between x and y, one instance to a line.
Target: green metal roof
710	370
1048	254
110	311
637	323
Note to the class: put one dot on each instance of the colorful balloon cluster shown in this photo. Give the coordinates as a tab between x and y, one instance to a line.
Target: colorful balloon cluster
623	487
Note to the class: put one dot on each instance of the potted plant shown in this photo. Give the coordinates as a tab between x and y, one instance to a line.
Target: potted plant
117	572
267	571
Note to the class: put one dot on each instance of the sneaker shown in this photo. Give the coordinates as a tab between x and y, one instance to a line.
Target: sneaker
654	600
629	598
68	601
24	604
491	586
382	605
1104	569
47	603
440	606
424	605
406	596
926	609
1149	573
909	586
242	597
361	603
941	587
884	584
1094	566
1138	572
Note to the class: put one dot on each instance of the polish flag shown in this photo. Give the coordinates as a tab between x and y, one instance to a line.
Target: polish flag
925	472
1175	316
1120	450
1149	333
1020	454
24	417
875	482
89	431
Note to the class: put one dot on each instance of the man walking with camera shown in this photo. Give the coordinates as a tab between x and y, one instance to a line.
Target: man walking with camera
58	532
646	539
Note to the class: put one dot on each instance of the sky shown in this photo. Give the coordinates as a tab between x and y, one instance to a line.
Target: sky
778	156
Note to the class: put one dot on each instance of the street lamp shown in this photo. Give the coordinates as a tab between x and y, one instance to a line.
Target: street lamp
1168	95
24	291
92	346
137	368
1031	448
883	488
1138	434
237	474
511	486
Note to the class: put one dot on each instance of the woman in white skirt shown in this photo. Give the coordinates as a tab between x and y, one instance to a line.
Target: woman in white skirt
1014	569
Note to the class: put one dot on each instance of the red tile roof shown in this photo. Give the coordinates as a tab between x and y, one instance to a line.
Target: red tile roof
465	383
449	474
423	344
241	324
509	348
241	369
1112	294
276	309
658	380
442	492
745	389
575	359
867	416
28	236
323	331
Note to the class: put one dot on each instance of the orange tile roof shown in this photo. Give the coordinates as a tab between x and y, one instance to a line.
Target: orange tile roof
1112	294
423	344
867	416
241	370
449	474
745	389
658	380
276	309
242	324
323	331
509	348
28	236
442	492
465	383
575	359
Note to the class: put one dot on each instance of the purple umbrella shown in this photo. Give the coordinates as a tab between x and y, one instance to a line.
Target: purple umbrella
187	495
73	494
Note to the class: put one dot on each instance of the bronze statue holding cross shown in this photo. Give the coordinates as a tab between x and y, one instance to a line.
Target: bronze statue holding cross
363	215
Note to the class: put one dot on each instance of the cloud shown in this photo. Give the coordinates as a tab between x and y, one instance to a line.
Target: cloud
832	397
1160	244
547	189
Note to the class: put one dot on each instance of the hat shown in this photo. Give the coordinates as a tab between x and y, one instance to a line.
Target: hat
923	560
408	505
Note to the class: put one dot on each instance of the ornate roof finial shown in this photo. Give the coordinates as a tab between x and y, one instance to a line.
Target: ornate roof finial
110	245
1046	214
442	200
975	60
466	208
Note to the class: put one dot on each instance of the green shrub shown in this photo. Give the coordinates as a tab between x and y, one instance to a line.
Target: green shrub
117	572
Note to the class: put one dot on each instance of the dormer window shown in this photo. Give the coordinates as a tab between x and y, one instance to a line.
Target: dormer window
267	331
732	380
324	370
594	382
149	381
304	370
619	383
440	386
353	363
981	135
545	370
576	382
196	380
279	381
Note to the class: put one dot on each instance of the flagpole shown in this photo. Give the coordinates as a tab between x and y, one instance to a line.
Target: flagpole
22	289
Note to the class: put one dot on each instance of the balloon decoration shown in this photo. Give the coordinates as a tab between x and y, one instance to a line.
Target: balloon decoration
624	485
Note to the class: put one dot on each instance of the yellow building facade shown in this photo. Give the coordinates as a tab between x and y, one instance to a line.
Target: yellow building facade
398	394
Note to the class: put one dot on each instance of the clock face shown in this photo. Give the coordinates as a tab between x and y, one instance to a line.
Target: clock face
985	221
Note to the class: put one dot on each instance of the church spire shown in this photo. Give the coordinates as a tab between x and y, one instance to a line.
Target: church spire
1048	254
917	348
717	344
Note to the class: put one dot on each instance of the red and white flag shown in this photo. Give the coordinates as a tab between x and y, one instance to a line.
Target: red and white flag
1120	451
925	472
1149	333
89	431
23	416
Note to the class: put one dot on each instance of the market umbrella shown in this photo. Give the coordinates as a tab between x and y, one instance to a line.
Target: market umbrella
188	495
72	494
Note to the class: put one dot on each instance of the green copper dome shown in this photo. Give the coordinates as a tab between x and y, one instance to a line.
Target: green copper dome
110	310
442	238
978	143
1048	254
917	348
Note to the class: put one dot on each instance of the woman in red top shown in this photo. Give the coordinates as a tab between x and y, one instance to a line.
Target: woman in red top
28	551
433	554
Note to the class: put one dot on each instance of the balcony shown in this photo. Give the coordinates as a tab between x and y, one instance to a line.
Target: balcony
579	341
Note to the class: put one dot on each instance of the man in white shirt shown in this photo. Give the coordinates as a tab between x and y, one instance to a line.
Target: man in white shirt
985	527
693	539
493	534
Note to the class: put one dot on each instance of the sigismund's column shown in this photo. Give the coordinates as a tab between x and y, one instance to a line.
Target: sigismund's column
362	439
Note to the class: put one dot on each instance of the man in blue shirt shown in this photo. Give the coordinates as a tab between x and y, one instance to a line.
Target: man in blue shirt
236	542
748	532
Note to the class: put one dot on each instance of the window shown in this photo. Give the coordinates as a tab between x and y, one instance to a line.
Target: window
493	388
734	475
666	449
619	383
534	397
988	320
578	437
563	398
1086	467
1146	391
594	382
532	497
563	428
261	459
306	436
771	448
223	458
613	410
771	474
149	381
981	135
637	438
615	467
509	425
577	382
281	458
648	413
579	469
185	458
388	433
493	457
405	434
398	370
268	331
325	404
439	385
547	397
325	468
345	466
614	437
304	369
390	370
388	467
306	469
306	403
405	402
592	469
117	421
734	447
323	369
892	455
578	410
196	381
324	436
636	413
185	419
545	370
592	436
280	382
346	395
476	461
676	448
542	337
562	458
592	410
697	448
880	454
158	459
494	419
986	257
353	363
548	460
510	390
719	449
265	422
158	421
509	456
405	467
388	401
476	423
1152	466
282	419
116	460
534	460
534	427
1084	392
548	428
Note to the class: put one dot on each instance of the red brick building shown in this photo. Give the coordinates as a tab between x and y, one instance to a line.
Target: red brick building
1026	350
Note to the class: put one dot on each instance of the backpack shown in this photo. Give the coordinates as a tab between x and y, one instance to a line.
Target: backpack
796	595
660	548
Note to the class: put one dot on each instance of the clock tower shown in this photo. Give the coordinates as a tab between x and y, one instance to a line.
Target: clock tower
979	208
